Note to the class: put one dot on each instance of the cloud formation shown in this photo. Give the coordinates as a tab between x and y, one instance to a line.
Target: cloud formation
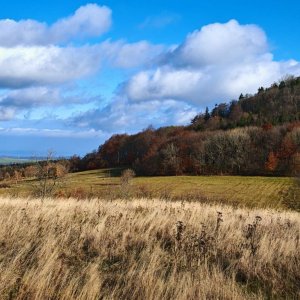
124	116
13	102
42	65
39	65
219	44
155	84
215	63
90	20
33	53
121	54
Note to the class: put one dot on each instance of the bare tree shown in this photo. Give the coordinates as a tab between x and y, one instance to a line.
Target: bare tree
125	181
17	176
48	175
31	171
6	176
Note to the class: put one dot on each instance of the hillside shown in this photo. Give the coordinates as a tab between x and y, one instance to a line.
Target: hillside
276	105
255	135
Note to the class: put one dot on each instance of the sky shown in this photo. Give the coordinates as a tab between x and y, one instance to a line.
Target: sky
72	73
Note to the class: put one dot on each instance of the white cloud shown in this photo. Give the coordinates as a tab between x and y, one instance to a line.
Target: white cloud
26	98
164	83
29	99
39	65
218	44
31	53
125	116
121	54
7	113
215	63
44	132
90	20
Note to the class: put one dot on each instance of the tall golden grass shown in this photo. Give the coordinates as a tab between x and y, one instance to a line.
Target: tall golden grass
146	249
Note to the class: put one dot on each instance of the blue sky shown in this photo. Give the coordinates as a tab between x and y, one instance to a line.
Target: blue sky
73	74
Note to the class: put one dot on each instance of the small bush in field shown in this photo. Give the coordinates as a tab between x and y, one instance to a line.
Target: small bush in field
125	181
127	176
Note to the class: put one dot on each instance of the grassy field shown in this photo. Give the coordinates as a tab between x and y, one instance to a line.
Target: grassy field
156	238
146	249
237	190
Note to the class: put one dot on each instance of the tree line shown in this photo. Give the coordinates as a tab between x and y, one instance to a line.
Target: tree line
44	170
179	150
255	135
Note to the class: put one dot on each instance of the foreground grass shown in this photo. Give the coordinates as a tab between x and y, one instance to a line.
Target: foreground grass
146	249
236	190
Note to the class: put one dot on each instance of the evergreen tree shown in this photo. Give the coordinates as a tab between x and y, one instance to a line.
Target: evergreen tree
206	114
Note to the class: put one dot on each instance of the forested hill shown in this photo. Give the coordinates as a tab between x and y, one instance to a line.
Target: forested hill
275	105
255	135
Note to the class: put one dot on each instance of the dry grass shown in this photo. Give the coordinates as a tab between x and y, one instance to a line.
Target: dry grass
146	249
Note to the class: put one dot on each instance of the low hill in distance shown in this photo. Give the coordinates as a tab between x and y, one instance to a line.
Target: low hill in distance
255	135
13	160
276	105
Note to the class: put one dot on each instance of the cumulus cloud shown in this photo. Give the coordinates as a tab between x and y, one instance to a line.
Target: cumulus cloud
32	97
32	53
15	101
39	65
122	115
121	54
90	20
164	83
215	63
169	85
218	44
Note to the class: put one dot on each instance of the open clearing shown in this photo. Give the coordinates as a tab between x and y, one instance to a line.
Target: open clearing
237	190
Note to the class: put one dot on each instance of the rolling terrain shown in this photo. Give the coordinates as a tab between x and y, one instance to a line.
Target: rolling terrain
105	183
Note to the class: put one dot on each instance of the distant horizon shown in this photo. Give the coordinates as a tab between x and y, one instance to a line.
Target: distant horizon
21	157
